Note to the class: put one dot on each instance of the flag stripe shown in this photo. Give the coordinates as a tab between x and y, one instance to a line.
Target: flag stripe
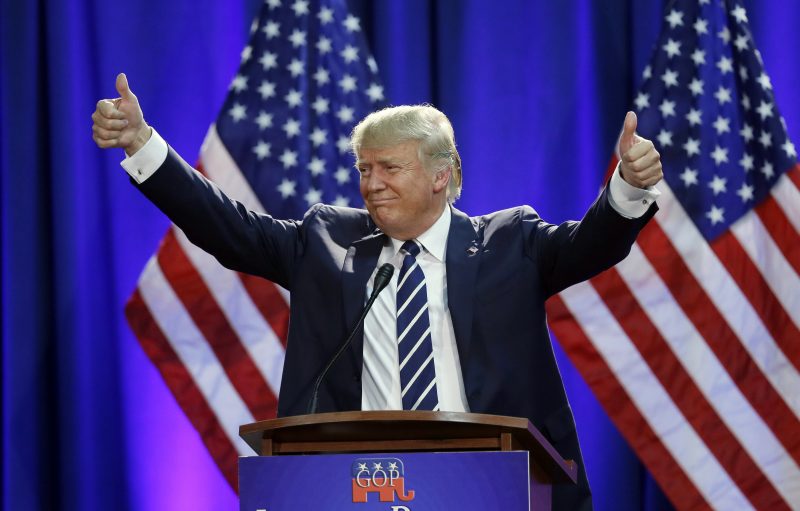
794	175
219	166
183	387
783	234
214	327
786	194
617	403
263	347
685	344
216	162
721	298
731	251
270	304
751	380
766	257
172	318
650	398
686	395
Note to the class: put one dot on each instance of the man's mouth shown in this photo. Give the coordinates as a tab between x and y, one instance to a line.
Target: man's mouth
381	201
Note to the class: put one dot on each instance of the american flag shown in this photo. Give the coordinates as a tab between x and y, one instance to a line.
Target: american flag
692	343
279	145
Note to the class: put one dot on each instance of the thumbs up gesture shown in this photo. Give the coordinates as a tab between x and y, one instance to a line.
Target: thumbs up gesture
119	122
640	163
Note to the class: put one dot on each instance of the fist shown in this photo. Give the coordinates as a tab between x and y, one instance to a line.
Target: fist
119	122
640	163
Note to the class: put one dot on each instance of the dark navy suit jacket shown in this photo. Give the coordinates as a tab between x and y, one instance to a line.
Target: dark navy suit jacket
500	270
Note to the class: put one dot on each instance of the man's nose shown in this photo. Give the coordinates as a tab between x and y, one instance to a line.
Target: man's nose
375	181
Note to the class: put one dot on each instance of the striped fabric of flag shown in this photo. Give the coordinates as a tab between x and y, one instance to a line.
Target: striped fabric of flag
279	145
692	343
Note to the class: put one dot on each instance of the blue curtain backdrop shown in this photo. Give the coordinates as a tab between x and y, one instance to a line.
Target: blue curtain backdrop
537	91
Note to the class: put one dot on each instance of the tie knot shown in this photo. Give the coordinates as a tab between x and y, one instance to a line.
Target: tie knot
412	247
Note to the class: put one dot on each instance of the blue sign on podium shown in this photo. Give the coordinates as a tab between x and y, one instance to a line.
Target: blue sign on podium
467	481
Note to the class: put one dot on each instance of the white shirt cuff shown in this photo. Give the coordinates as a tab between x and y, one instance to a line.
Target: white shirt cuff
146	160
628	200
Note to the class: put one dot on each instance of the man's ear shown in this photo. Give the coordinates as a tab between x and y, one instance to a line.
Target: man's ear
441	178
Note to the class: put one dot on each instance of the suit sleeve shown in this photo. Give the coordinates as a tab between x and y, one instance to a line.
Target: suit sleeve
576	251
240	239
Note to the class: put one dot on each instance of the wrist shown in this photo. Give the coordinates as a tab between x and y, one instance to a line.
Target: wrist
622	175
142	136
620	172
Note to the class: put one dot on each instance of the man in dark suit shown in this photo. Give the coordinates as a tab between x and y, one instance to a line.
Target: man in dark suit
462	325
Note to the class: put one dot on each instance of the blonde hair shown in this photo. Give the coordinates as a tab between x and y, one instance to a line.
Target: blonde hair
424	123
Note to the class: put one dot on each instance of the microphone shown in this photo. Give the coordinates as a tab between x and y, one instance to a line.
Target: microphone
382	279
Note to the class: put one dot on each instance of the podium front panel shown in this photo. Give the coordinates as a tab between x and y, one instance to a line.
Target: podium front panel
467	481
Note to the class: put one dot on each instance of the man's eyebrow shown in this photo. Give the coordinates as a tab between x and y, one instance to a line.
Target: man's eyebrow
393	159
384	160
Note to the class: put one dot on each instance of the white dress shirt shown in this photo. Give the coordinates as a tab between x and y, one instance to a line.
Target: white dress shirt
380	378
147	159
380	383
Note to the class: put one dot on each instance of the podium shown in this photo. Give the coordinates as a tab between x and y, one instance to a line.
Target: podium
454	446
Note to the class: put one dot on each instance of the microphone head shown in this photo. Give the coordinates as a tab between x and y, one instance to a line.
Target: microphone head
382	278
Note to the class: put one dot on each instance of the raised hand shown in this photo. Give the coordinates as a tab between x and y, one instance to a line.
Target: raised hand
640	163
119	122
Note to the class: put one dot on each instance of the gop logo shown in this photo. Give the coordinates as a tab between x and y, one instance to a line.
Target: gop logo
384	476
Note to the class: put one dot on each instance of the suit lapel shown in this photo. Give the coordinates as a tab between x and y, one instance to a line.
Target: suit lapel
464	248
359	263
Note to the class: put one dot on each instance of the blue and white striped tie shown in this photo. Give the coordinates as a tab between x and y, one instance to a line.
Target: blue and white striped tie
415	349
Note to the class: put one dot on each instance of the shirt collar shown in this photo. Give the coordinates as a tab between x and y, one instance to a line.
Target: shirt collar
434	239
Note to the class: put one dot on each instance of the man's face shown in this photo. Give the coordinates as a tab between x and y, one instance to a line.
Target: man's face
402	197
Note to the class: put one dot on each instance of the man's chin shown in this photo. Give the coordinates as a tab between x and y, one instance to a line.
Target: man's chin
383	218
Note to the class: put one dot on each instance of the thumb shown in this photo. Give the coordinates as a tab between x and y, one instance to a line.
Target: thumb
628	137
122	87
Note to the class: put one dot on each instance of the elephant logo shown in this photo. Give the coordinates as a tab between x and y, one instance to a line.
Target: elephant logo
384	476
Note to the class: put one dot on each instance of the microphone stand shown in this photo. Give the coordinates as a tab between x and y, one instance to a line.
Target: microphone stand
382	279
